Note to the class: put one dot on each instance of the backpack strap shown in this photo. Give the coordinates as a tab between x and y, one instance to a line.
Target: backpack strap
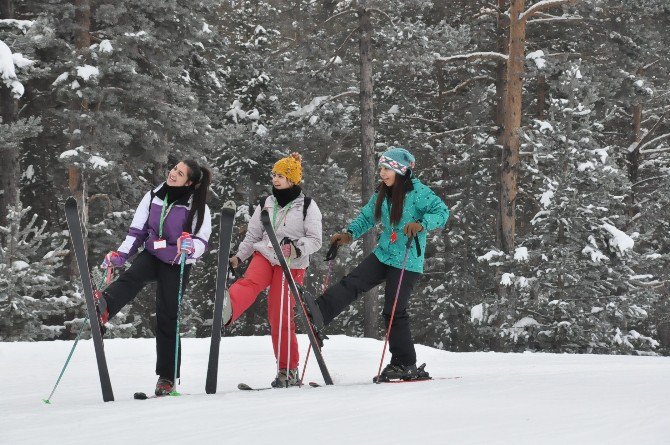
308	201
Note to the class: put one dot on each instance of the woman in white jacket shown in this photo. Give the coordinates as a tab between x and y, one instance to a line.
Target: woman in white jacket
297	223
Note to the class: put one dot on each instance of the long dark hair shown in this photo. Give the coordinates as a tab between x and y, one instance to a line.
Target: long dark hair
396	194
200	177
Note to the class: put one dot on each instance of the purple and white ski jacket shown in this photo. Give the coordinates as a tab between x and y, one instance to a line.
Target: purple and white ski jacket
145	228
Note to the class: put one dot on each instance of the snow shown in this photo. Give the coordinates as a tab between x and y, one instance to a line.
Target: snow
106	46
596	255
521	254
19	265
619	239
236	112
98	162
29	173
588	165
20	61
87	71
477	313
308	109
70	153
23	25
546	198
524	398
507	279
544	126
8	73
262	130
526	322
538	58
490	255
393	110
205	28
60	79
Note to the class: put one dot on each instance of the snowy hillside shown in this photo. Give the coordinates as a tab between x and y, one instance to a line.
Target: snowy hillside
498	399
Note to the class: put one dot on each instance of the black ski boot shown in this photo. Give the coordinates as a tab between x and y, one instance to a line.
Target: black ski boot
314	315
313	311
402	372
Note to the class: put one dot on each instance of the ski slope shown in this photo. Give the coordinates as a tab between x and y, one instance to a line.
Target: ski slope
499	399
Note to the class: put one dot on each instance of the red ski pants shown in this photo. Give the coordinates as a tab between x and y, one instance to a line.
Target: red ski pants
259	275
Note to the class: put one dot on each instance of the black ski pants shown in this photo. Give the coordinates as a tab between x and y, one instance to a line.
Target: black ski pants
368	274
146	268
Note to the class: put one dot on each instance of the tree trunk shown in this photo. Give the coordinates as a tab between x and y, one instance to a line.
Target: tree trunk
541	96
501	92
512	125
370	311
76	179
10	174
634	156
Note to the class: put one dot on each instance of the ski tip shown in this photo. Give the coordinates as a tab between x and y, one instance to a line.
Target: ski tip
175	394
70	202
46	401
230	205
140	396
244	387
314	385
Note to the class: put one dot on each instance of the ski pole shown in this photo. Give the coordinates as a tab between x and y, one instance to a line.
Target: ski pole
106	278
395	302
182	262
330	256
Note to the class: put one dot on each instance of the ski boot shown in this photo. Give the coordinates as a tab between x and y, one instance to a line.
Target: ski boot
402	372
314	316
101	310
286	378
164	386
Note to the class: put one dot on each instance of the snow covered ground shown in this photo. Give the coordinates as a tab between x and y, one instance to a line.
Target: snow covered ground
499	399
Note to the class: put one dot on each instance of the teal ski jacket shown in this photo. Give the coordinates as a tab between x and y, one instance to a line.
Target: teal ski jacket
421	205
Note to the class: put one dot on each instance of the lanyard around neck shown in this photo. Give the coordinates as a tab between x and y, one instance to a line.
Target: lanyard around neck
164	215
276	210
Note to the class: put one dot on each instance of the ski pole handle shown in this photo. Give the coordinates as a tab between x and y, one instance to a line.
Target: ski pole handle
409	242
332	252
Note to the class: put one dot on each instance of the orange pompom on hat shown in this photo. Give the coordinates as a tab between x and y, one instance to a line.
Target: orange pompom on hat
290	167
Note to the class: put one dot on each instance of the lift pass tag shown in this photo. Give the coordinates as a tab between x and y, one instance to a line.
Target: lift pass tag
160	244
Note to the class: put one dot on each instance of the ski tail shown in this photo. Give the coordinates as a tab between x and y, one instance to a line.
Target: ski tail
307	326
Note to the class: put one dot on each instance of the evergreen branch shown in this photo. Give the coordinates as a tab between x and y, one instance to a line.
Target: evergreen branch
383	13
564	18
337	51
339	14
542	6
476	56
458	88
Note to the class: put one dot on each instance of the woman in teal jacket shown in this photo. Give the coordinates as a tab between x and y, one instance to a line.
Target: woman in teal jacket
405	207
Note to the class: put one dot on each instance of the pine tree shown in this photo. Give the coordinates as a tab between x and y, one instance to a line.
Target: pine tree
30	256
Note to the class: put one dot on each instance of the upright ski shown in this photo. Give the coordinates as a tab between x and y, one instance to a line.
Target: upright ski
307	326
77	236
225	235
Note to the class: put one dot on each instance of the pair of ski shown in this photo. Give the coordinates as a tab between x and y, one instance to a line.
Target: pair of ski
222	273
225	235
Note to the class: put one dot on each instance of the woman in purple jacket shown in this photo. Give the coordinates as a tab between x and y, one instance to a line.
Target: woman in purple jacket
159	225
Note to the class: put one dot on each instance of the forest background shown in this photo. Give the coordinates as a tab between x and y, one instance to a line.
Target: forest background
543	125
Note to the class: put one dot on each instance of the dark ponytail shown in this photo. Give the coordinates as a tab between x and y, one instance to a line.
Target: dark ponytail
200	178
396	194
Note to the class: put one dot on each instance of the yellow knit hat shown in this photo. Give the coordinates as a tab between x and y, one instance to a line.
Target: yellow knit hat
290	167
